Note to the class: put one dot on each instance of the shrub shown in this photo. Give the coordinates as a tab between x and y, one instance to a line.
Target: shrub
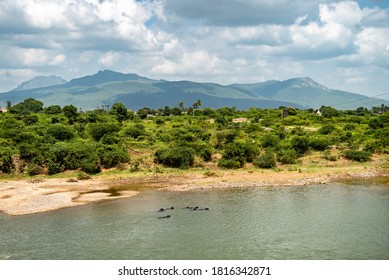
253	128
357	155
373	146
230	163
53	110
6	161
91	164
240	152
34	169
112	155
349	126
327	129
287	156
375	123
53	167
206	154
319	143
60	132
135	131
98	130
31	119
300	144
179	157
270	140
28	151
267	160
71	156
109	139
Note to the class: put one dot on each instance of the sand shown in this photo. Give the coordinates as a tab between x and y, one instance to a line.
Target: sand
23	197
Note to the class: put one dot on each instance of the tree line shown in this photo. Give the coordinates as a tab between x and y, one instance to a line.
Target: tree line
48	140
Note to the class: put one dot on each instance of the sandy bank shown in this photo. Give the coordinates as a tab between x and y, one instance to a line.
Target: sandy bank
27	197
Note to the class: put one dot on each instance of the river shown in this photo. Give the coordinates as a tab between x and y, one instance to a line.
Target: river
333	221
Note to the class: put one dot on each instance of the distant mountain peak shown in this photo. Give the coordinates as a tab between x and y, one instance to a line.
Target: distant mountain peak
306	82
104	76
40	82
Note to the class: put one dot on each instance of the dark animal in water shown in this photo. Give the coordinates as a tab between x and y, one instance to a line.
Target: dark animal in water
162	209
164	217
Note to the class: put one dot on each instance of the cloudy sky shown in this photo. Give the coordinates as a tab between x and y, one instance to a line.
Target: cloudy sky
341	44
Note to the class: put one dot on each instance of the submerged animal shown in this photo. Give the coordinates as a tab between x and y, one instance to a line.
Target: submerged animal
196	208
164	217
164	209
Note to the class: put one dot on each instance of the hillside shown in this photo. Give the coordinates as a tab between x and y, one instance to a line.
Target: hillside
135	92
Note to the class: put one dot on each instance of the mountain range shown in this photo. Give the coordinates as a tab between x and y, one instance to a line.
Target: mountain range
135	92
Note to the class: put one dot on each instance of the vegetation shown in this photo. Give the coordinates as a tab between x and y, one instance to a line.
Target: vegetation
48	140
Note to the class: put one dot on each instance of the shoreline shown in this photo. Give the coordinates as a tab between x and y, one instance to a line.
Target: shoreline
24	197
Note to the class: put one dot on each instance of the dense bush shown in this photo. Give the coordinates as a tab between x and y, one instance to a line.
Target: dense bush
60	132
270	140
98	130
375	123
112	155
300	144
135	131
319	143
206	154
267	160
240	152
179	157
287	156
230	163
91	164
357	155
34	169
327	129
53	110
6	161
71	156
53	167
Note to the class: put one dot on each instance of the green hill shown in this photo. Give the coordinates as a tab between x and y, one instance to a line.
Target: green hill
135	92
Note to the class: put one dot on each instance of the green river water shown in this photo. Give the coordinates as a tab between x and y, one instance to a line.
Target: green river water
334	221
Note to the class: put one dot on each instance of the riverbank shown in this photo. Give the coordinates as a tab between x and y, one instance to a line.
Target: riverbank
29	196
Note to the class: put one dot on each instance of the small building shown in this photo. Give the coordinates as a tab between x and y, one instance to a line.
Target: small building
239	120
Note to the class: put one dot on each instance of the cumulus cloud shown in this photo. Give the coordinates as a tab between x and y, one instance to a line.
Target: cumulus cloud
218	41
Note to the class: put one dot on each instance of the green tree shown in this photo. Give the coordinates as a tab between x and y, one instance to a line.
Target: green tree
29	105
53	109
266	160
196	105
300	144
120	112
98	130
60	132
329	112
71	113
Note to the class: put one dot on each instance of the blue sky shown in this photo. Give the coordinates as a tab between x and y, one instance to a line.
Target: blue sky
340	44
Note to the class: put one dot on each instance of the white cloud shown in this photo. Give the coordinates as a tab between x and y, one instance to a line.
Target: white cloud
108	59
218	41
196	63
